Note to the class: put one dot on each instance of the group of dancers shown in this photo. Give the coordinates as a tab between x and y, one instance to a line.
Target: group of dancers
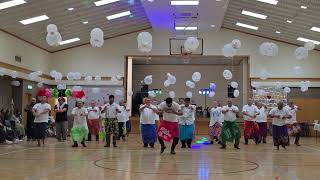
177	123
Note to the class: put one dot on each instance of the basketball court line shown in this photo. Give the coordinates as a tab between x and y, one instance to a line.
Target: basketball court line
21	150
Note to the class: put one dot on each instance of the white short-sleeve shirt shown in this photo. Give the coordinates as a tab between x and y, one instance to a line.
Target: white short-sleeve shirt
93	113
111	110
230	116
251	110
188	115
123	116
293	113
79	121
279	121
39	108
147	116
262	117
169	116
215	115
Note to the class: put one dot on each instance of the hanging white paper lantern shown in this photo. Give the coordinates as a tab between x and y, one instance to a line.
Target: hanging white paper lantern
61	86
228	50
166	83
71	76
95	90
148	80
309	45
152	94
118	92
88	78
191	44
53	39
301	53
236	93
97	78
145	49
236	44
77	76
227	74
53	73
172	94
172	79
119	77
189	94
52	28
264	74
287	90
234	84
14	74
196	76
212	94
96	43
297	70
33	76
144	38
269	49
96	33
58	76
304	89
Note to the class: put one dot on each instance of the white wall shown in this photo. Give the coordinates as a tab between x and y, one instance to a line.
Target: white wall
109	60
33	58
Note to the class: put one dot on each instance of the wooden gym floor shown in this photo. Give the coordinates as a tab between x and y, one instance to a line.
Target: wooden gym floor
132	162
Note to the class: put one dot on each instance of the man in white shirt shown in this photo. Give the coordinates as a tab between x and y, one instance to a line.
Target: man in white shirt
215	123
94	120
123	118
111	125
186	123
262	122
148	118
41	114
293	126
279	128
169	127
230	129
251	128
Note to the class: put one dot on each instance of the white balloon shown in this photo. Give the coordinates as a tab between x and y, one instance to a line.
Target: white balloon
76	88
96	33
228	50
236	44
234	84
53	73
264	74
172	79
227	74
269	49
148	80
166	83
287	90
58	76
189	94
196	76
212	94
309	45
14	74
33	76
71	76
95	42
145	48
118	92
130	93
297	70
95	90
304	89
191	44
88	78
301	53
15	83
152	94
53	39
172	94
52	28
144	38
97	78
305	84
2	71
236	93
77	76
61	86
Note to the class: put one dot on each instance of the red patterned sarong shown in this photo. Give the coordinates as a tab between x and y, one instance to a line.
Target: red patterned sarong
94	126
168	130
251	129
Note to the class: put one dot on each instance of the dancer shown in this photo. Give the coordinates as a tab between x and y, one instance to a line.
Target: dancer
148	118
230	129
30	119
251	128
123	118
186	123
293	126
79	131
93	120
111	125
262	122
61	110
279	115
169	127
215	123
41	113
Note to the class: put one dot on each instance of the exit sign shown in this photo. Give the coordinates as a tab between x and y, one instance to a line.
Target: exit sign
29	87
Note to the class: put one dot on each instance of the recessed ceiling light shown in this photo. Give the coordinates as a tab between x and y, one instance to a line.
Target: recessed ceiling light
213	25
104	2
308	40
189	28
119	15
289	21
278	32
303	7
247	26
184	3
256	15
12	3
317	29
34	19
69	41
85	22
273	2
70	9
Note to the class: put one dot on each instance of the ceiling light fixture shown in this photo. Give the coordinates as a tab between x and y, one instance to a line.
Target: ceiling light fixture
289	21
308	40
213	26
69	41
303	7
12	3
252	14
247	26
85	22
119	15
278	32
184	3
104	2
317	29
273	2
189	28
34	19
70	9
